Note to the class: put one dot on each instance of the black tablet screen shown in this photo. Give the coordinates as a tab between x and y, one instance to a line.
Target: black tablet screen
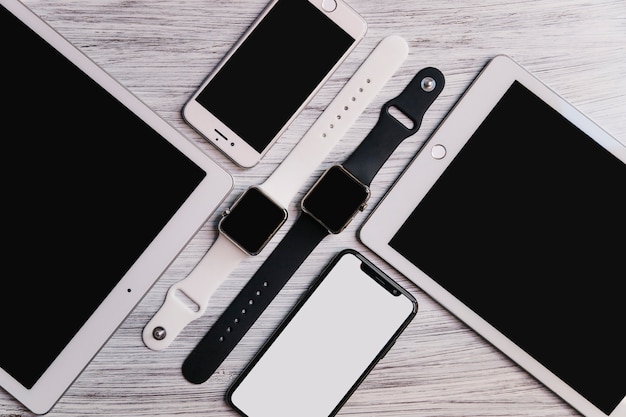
86	186
527	227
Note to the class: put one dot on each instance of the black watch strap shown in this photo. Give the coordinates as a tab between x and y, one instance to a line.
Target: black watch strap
253	299
367	159
306	233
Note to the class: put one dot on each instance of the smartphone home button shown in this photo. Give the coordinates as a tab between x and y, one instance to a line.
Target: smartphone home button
329	5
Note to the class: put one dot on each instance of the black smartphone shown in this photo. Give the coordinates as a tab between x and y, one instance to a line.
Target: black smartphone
270	74
342	326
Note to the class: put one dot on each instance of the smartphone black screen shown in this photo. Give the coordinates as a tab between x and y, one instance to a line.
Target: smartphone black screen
274	70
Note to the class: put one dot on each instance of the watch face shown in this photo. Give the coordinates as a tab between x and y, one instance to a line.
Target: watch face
252	221
335	199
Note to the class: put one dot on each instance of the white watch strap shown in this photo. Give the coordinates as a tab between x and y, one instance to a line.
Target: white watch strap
176	313
282	185
334	122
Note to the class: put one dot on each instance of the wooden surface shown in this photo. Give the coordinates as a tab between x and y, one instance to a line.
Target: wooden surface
162	49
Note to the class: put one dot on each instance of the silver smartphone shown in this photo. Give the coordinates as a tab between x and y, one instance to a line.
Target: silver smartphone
270	74
328	343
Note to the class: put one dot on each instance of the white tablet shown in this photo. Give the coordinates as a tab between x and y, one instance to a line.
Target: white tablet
99	195
513	217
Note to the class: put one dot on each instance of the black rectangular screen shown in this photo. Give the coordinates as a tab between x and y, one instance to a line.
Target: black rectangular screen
87	186
336	198
275	69
527	227
253	221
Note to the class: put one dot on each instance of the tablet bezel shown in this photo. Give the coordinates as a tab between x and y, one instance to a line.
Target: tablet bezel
424	170
129	291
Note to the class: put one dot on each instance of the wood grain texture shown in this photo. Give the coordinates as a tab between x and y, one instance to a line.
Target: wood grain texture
162	49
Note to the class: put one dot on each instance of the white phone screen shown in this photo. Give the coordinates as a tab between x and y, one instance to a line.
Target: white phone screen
315	361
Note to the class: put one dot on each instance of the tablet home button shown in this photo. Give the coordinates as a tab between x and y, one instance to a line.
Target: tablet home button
438	151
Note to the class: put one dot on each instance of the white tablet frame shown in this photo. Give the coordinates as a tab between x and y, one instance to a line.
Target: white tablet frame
203	201
424	170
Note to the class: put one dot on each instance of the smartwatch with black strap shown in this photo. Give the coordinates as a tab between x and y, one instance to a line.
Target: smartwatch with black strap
258	214
328	207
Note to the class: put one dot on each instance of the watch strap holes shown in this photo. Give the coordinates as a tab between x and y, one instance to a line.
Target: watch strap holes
346	108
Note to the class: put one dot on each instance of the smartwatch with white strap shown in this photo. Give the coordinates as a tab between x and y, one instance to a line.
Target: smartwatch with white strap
260	212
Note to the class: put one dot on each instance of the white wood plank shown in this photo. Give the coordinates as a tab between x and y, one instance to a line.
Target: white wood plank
161	50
